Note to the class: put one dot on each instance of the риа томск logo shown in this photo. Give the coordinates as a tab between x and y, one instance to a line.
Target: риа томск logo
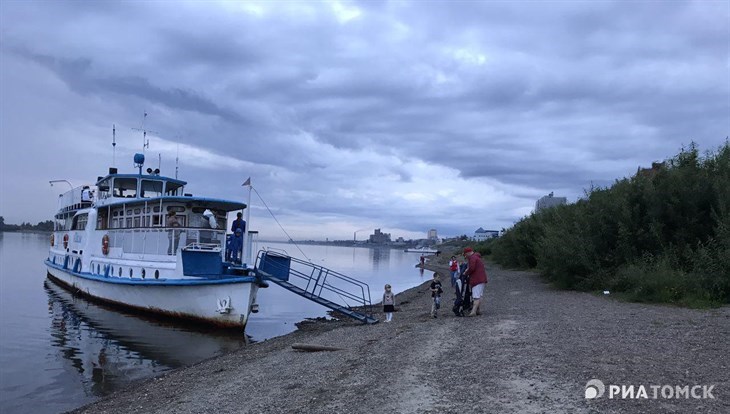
596	389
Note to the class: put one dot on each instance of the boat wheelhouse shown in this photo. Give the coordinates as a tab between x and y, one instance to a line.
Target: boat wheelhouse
140	241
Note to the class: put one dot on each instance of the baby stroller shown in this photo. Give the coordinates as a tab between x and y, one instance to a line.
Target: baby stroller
463	302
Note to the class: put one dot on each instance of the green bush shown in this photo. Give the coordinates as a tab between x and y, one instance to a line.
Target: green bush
659	236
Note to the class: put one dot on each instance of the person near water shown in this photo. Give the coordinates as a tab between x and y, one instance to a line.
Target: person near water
388	303
454	269
477	278
436	292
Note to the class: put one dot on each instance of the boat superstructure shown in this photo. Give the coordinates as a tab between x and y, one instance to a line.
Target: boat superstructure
140	241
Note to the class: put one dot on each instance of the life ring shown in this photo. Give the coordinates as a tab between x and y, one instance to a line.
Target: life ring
105	244
65	241
53	240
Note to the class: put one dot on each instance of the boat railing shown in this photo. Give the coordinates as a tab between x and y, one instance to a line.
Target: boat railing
203	246
165	241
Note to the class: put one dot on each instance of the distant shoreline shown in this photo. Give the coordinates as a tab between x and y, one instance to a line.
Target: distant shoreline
27	231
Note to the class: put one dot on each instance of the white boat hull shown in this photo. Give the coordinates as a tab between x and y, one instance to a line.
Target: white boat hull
225	303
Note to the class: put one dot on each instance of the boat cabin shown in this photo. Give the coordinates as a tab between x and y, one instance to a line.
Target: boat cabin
136	211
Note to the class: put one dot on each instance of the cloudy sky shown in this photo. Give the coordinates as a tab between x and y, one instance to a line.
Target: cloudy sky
347	115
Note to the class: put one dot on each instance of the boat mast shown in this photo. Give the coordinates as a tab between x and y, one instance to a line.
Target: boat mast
247	241
114	145
145	141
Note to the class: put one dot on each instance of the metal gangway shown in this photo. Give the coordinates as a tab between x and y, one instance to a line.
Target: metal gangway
334	290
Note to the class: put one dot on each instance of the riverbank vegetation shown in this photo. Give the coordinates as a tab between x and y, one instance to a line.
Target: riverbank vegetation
662	235
41	226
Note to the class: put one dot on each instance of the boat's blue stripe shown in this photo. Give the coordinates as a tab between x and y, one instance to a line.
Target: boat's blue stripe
155	282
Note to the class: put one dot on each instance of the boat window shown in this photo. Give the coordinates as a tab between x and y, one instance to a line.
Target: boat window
125	187
60	224
177	209
137	210
151	188
173	189
103	188
79	222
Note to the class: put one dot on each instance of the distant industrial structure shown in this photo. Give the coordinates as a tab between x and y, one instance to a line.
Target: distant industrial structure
549	201
432	235
379	237
651	172
481	235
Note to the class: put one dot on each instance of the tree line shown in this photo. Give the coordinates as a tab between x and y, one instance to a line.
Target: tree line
662	235
41	226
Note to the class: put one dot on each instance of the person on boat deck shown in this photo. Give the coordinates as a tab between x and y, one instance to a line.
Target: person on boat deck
174	235
238	228
212	222
86	194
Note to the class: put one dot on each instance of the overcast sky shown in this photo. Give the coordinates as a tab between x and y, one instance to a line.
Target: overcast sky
349	115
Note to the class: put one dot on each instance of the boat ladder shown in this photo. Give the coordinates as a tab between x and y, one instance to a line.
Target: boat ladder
336	291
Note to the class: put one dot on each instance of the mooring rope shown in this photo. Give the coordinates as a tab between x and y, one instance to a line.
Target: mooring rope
280	226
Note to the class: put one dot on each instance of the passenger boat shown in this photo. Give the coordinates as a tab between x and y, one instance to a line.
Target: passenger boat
117	247
424	250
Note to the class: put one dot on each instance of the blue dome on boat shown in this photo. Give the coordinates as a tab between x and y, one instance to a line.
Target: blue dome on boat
139	158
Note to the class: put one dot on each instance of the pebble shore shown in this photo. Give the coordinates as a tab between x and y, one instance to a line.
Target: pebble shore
533	351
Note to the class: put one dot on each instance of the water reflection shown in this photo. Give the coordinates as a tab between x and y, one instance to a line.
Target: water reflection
379	256
107	349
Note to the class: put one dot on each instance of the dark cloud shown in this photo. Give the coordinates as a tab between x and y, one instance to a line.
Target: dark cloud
352	115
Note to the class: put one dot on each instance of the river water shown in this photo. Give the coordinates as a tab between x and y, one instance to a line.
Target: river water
58	352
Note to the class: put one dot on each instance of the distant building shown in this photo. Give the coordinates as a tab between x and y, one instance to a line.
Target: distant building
549	201
432	234
379	237
481	235
651	172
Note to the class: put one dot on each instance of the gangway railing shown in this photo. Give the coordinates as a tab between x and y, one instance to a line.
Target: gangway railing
341	293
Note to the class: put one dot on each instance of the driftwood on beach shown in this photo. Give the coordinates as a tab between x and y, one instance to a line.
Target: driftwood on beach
314	348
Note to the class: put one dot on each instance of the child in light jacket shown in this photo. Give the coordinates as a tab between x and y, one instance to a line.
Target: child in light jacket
388	303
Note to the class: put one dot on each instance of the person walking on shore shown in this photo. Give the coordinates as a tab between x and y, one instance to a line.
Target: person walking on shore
454	269
477	278
388	303
436	292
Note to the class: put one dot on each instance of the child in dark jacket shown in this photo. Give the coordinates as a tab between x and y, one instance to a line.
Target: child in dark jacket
436	292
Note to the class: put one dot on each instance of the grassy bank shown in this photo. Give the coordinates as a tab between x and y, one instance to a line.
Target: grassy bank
662	235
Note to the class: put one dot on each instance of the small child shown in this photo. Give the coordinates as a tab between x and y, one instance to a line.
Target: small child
388	303
436	292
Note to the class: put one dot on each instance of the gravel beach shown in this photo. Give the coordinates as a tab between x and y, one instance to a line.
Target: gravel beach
533	351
